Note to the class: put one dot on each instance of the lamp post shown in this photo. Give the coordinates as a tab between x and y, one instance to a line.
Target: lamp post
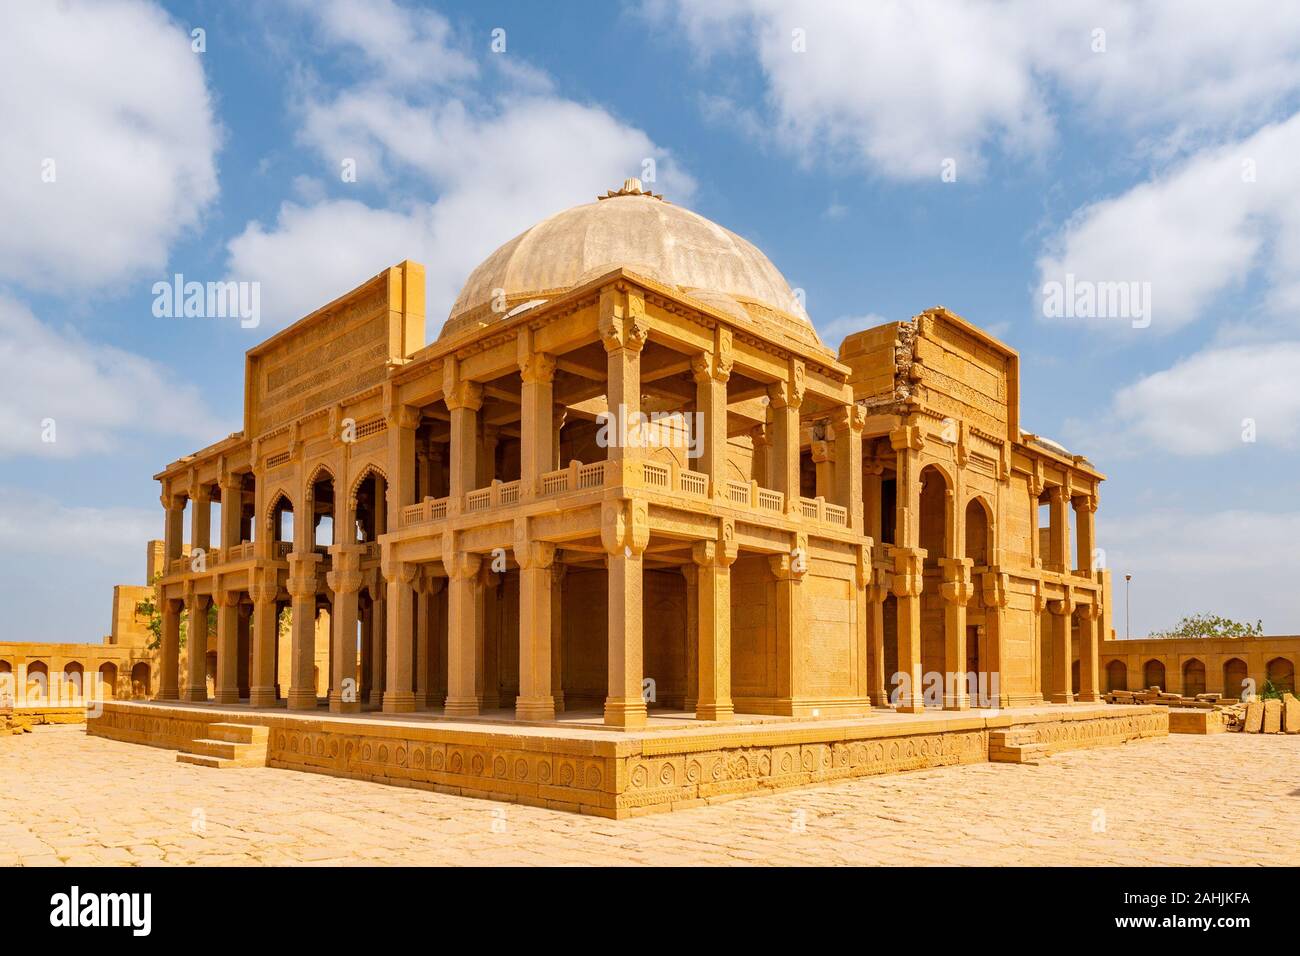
1128	578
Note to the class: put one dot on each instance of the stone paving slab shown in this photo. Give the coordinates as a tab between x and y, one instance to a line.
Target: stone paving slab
1229	799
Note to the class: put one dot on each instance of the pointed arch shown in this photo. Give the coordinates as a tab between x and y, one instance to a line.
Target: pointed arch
936	519
980	531
1153	674
367	470
1235	675
1280	672
1193	677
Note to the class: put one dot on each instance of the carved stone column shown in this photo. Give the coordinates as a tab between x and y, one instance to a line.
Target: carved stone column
711	371
625	532
908	582
227	689
1059	617
623	331
464	399
169	651
536	700
1089	651
994	595
265	633
344	581
196	646
691	574
399	695
302	591
464	635
536	431
784	401
557	632
788	570
848	423
957	590
713	560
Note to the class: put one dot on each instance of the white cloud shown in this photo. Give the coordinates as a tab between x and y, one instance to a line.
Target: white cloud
1240	564
37	525
1205	227
1202	404
405	46
111	93
901	86
96	394
490	168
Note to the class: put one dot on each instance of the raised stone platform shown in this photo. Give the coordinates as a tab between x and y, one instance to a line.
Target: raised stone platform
573	765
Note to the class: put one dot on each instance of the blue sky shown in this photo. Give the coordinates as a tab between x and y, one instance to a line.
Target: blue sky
1154	144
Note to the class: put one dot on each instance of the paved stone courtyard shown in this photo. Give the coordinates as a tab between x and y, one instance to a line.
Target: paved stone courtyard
1228	799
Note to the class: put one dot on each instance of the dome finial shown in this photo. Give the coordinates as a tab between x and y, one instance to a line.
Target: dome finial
631	187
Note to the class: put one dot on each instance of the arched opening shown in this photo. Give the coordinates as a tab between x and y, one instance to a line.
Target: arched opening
108	680
74	680
978	540
210	673
1281	674
1235	676
140	681
38	681
6	683
1116	676
371	496
934	515
280	529
1153	674
1193	678
322	508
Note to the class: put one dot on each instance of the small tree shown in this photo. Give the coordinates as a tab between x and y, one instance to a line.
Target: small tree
149	608
1211	625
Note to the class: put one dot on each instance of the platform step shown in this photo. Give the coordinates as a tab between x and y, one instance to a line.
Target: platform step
231	745
238	733
1014	747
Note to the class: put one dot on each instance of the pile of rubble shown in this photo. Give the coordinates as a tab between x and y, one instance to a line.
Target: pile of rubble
1272	716
1155	695
13	723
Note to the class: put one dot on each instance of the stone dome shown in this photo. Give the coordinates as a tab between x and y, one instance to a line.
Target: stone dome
637	230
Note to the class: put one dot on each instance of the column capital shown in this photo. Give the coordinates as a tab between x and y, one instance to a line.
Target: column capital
994	590
785	568
537	368
909	568
907	438
1063	607
534	554
227	598
625	526
1091	611
863	569
398	572
707	367
196	599
404	416
851	416
622	325
264	587
344	580
463	395
462	565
